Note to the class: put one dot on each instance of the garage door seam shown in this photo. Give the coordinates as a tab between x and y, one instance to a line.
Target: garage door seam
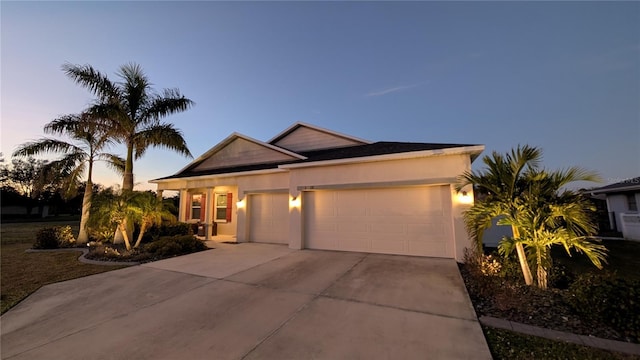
304	306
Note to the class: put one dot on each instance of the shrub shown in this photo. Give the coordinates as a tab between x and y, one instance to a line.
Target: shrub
54	237
608	299
155	231
175	245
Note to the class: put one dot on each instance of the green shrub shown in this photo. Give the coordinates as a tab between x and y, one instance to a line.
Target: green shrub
608	299
54	237
175	245
155	231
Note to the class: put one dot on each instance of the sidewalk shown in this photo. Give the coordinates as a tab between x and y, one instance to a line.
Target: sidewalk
605	344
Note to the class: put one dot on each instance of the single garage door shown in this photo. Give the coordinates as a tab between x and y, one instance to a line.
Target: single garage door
405	221
269	218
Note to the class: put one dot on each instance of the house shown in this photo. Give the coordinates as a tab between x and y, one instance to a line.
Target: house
310	187
622	204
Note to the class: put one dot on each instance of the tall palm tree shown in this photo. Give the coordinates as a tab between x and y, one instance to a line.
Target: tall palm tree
89	147
132	111
503	181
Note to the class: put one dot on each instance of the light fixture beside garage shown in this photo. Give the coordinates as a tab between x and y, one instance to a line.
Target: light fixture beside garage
294	201
464	197
240	203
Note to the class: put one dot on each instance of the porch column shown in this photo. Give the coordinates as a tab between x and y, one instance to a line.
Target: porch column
159	196
208	213
182	210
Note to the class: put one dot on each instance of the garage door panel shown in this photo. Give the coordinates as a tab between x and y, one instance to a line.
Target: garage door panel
408	221
269	218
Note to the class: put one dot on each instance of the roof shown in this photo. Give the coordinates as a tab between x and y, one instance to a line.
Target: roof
619	187
351	152
222	159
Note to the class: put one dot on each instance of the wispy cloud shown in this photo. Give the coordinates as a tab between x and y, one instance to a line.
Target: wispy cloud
390	90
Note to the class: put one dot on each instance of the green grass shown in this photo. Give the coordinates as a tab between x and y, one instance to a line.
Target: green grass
22	273
506	344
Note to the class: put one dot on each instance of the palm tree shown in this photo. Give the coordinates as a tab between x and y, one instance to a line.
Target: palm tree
529	200
117	208
78	158
131	111
548	217
503	182
151	212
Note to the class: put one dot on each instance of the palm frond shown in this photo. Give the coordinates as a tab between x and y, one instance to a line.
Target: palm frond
161	135
96	82
46	145
114	162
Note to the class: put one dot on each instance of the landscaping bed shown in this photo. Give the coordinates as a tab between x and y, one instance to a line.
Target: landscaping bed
580	299
162	248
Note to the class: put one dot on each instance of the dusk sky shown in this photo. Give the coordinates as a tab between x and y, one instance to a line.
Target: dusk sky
562	76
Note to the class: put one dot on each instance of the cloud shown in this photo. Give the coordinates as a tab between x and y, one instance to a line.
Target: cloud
390	90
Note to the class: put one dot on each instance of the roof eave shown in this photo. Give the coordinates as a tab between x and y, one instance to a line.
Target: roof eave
471	150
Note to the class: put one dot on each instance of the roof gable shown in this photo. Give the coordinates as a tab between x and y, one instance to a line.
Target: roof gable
240	150
304	137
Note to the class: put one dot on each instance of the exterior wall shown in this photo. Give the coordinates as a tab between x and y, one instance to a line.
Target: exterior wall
617	203
435	170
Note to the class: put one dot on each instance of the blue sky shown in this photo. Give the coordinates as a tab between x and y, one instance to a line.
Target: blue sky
562	76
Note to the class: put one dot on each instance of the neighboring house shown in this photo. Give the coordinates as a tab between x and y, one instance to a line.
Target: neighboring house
310	187
623	199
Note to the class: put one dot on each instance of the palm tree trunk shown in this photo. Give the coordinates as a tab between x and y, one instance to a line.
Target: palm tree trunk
123	230
127	185
522	258
83	236
143	228
127	180
541	272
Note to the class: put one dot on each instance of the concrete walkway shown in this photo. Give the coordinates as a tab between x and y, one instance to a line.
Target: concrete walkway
605	344
253	301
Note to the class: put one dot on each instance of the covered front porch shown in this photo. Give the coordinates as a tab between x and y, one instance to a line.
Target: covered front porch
212	210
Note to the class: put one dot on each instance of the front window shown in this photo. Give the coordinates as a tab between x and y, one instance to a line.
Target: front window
196	206
221	208
632	203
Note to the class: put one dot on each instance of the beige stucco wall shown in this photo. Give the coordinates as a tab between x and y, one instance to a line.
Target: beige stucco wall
435	170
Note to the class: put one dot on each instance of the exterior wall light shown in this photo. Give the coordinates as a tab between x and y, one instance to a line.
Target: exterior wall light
464	197
294	201
240	203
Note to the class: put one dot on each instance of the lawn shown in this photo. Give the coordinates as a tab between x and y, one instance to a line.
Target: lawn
23	273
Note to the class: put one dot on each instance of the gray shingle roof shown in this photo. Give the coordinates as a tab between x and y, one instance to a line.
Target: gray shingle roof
378	148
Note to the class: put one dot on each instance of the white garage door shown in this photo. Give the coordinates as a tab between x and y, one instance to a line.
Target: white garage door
269	218
406	221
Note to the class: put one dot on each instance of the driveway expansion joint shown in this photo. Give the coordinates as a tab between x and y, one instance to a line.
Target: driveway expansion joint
591	341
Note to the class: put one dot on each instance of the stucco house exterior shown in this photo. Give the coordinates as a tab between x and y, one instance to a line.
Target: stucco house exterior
310	187
623	199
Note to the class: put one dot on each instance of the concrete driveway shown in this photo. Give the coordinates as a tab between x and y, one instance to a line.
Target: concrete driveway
253	301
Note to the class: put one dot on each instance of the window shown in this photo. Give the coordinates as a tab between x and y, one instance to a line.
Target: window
631	202
196	207
223	208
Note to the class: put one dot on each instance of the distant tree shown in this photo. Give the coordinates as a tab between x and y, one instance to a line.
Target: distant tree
79	156
29	177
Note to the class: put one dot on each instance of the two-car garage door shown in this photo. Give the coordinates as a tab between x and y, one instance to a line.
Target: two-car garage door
406	221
